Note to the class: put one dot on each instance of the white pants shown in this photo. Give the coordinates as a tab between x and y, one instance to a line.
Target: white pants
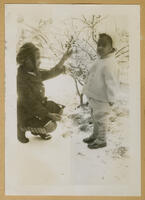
99	112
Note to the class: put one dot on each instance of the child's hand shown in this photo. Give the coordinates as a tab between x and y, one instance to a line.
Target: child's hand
54	116
111	103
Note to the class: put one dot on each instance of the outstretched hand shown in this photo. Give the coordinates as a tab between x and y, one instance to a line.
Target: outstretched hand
68	53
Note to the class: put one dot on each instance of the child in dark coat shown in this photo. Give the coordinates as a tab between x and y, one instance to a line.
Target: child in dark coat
34	112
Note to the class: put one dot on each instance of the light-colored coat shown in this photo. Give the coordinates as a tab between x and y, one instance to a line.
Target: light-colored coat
102	83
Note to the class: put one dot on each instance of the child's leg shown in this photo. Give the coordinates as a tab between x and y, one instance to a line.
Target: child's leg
100	123
100	140
99	131
95	129
44	131
93	136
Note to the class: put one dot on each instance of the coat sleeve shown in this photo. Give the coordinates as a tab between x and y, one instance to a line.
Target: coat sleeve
110	78
55	71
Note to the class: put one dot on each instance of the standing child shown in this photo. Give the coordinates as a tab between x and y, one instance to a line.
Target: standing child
101	90
34	112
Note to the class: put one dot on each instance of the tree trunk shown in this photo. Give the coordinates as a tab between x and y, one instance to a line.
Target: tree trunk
78	92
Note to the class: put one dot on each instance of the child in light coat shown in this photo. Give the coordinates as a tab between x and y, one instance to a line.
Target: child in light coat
101	90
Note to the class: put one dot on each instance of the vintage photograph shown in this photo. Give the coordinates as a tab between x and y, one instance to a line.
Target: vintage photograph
72	93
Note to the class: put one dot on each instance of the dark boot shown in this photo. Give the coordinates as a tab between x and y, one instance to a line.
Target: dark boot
89	139
45	136
21	136
97	145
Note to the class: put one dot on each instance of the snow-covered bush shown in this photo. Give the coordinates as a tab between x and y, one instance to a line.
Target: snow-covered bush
80	34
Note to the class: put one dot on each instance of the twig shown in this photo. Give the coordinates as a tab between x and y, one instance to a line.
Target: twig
85	52
76	84
90	45
122	49
121	54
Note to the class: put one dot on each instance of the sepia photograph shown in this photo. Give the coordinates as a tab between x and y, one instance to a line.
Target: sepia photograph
72	100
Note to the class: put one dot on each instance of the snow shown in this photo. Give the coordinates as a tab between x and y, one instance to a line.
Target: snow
65	159
108	165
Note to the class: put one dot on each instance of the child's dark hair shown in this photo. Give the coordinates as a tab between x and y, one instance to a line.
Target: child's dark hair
27	51
108	38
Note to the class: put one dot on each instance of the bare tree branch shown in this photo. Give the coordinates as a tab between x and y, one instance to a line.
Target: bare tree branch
121	49
121	53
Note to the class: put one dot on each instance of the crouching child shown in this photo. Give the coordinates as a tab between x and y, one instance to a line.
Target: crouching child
34	112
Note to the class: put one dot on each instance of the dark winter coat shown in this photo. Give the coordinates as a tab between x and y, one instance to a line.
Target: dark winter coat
32	105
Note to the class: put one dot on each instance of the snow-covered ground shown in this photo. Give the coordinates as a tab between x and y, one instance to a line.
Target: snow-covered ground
65	159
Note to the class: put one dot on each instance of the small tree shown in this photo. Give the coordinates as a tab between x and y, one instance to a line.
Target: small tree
81	35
